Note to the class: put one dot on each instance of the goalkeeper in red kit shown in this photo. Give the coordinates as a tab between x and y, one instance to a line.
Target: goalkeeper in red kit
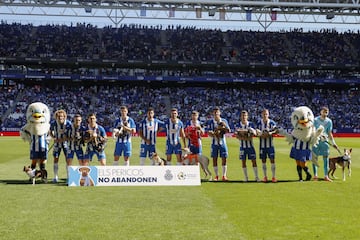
193	132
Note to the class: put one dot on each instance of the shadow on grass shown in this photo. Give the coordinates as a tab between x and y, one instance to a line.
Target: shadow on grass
14	181
241	181
62	182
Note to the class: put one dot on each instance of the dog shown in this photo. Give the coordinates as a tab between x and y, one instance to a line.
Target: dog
188	158
120	132
97	141
85	179
35	174
245	134
157	160
343	161
220	130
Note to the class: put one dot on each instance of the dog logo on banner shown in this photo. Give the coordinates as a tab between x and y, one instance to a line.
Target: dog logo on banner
82	176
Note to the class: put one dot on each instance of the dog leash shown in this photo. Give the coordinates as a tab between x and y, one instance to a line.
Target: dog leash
52	145
337	148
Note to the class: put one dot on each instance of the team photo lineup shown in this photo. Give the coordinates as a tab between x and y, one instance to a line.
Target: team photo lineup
83	138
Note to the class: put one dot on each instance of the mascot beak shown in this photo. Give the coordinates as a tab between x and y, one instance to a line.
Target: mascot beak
37	115
303	121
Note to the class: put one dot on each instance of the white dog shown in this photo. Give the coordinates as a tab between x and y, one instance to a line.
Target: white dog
188	158
157	160
34	174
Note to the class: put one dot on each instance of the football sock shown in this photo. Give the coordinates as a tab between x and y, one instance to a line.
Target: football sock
308	175
33	165
264	169
298	168
127	163
256	172
315	169
142	161
116	163
326	165
56	170
224	170
245	173
216	171
273	169
42	166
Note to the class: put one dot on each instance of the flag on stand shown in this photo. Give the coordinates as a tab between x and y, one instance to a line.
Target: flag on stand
273	16
172	12
198	12
248	15
143	11
222	14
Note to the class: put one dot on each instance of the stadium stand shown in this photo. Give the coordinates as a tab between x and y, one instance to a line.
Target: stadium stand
105	101
28	50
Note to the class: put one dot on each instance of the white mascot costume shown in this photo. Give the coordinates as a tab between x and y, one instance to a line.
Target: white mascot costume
36	132
303	137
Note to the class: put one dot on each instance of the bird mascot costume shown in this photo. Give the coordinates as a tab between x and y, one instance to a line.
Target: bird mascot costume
36	132
303	137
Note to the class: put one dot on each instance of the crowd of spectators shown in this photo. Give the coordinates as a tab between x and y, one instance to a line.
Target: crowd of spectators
136	42
105	100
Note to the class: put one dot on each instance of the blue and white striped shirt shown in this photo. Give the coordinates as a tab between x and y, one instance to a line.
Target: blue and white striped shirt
59	131
212	126
119	123
39	143
173	131
266	142
300	145
246	143
74	133
149	129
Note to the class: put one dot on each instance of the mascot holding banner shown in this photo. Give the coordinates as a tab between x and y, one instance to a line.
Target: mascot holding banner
36	132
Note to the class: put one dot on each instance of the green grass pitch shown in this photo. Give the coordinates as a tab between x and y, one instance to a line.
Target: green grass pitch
215	210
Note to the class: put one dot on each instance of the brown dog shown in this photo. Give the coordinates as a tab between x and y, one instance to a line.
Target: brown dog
343	161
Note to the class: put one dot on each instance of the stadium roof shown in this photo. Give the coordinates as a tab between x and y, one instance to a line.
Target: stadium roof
264	13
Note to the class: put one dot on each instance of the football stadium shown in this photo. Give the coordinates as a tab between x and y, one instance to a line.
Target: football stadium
170	121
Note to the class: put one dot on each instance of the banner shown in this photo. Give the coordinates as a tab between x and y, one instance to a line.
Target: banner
134	176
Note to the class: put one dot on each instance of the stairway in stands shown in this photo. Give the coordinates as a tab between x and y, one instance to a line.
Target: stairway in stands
167	102
12	108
